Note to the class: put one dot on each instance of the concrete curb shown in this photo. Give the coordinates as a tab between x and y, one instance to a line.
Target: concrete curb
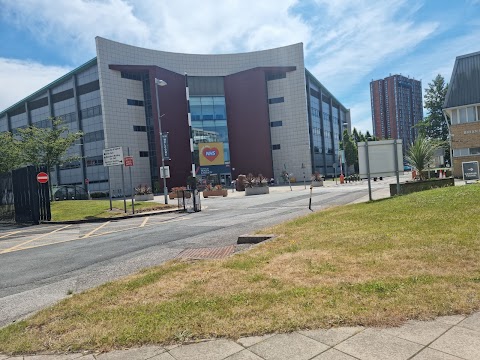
83	221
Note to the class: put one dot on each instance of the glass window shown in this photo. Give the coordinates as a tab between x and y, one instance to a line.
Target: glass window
475	151
276	123
471	114
478	113
462	115
276	100
143	153
276	147
454	117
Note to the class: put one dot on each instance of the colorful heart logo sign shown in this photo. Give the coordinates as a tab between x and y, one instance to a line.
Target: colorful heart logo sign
210	153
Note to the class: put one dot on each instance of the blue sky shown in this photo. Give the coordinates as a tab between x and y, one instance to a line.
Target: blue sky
347	43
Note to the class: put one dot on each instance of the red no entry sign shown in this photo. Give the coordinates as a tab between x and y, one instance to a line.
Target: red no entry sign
42	177
128	160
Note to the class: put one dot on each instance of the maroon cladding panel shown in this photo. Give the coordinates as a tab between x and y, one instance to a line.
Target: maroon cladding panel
248	123
173	104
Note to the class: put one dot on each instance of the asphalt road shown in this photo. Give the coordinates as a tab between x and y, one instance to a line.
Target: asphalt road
43	264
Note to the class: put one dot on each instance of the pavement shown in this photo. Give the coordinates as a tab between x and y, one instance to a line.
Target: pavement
444	338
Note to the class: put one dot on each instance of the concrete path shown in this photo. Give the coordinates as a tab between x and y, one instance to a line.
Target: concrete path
445	338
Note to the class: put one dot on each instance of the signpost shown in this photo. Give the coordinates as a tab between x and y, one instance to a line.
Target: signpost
165	172
128	161
114	157
42	177
470	170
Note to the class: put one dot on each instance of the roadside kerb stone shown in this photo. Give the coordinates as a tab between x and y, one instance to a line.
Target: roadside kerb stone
459	341
292	346
431	354
95	220
332	336
208	350
141	353
374	344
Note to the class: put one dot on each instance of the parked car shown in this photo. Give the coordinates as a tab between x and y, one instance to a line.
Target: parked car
407	167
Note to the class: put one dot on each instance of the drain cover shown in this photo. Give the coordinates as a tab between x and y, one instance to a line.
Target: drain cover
207	253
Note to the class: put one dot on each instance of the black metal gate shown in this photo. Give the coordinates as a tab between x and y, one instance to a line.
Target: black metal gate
31	199
7	209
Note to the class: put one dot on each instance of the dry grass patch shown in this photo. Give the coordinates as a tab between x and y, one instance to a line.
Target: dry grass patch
367	264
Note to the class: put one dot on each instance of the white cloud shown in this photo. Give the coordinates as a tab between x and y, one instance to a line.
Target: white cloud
181	26
349	47
22	78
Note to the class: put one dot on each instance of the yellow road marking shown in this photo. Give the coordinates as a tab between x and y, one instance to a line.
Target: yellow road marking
12	233
94	235
145	221
34	239
95	230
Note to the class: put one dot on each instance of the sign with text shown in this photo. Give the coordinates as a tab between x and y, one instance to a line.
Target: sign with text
165	172
128	161
470	170
211	154
113	156
165	148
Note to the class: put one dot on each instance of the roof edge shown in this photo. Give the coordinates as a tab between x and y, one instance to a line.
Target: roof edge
53	83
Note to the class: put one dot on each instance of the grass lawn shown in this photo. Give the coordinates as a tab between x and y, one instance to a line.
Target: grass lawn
94	209
373	264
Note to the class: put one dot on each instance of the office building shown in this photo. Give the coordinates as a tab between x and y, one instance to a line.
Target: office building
258	112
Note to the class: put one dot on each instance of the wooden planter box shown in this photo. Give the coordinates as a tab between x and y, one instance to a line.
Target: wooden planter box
144	197
411	187
258	190
317	183
208	193
179	194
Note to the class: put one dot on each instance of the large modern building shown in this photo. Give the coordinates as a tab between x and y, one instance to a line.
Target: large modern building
397	107
462	106
258	112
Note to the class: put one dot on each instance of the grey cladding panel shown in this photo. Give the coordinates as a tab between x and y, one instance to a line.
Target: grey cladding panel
206	85
465	84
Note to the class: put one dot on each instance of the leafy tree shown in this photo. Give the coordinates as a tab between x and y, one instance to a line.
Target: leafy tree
355	135
421	153
434	125
9	152
47	146
350	148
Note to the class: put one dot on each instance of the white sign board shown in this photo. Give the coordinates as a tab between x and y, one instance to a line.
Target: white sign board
113	156
167	172
381	158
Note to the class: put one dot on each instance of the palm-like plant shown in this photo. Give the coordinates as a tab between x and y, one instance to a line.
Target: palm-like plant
421	153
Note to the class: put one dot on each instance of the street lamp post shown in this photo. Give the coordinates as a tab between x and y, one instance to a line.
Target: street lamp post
345	124
165	190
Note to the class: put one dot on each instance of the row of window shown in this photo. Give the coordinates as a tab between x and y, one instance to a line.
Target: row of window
139	128
466	152
93	136
465	115
91	112
131	76
135	102
94	160
276	147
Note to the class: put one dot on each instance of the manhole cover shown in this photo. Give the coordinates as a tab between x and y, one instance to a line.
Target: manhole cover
207	253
